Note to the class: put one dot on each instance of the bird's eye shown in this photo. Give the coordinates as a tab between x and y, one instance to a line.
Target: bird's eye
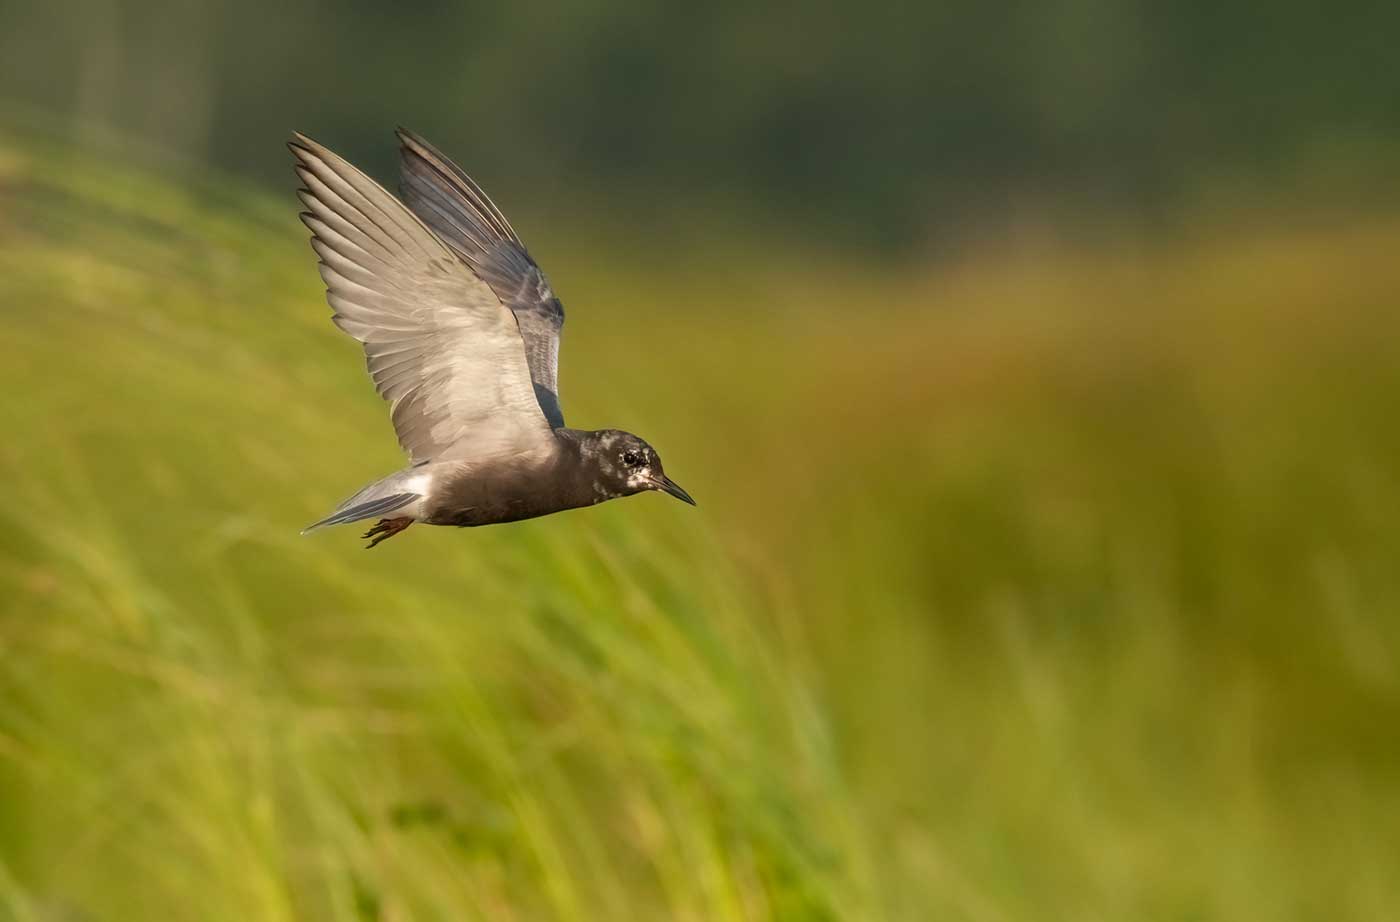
631	458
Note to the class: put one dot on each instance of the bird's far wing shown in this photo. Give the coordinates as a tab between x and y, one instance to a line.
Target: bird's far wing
440	345
449	202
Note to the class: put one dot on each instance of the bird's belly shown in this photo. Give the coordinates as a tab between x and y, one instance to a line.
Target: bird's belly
492	501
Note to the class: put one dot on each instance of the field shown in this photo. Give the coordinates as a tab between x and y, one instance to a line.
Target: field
1043	582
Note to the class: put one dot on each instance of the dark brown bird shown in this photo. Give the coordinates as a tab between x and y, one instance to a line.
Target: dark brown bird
461	335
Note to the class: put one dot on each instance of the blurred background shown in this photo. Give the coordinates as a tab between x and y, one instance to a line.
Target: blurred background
1036	367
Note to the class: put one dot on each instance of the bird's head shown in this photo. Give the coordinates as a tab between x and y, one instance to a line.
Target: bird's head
627	465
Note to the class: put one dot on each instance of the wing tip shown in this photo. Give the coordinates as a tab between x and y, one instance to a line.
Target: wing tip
299	144
303	145
412	145
438	169
411	139
309	151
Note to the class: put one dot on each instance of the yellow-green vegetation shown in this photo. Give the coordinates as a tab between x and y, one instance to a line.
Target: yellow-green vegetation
1046	584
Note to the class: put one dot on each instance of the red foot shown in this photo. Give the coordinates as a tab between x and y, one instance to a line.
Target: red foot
386	528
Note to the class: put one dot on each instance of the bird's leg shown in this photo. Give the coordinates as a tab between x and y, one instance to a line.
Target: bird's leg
386	528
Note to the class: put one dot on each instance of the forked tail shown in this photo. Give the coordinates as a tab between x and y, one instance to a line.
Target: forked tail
379	498
351	511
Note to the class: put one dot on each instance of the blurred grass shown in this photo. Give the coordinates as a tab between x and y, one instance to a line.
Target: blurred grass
1044	584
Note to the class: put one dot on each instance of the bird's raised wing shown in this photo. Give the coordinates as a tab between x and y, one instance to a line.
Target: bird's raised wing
440	345
449	202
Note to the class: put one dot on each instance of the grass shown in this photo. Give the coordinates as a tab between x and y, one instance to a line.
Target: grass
1052	583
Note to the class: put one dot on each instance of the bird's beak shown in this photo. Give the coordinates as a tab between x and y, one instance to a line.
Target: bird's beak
667	485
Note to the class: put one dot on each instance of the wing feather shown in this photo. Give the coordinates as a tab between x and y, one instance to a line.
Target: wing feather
441	346
447	200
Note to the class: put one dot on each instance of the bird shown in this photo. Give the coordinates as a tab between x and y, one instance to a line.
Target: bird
460	330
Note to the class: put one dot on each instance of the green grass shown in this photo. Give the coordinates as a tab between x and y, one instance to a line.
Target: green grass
1050	584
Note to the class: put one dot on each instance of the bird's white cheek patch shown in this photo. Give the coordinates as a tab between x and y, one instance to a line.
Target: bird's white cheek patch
639	479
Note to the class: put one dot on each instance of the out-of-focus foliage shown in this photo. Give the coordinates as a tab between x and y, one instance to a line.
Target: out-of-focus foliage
1054	584
878	120
1054	578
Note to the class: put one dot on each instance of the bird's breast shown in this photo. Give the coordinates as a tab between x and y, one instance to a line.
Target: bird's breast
492	494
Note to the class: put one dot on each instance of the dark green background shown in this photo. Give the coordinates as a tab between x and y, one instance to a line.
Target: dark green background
877	122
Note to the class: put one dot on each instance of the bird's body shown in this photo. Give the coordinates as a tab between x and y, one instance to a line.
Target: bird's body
461	336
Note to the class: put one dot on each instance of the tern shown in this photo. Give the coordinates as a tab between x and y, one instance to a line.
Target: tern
461	336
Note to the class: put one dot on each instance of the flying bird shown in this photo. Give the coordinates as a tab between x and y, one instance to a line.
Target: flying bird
461	336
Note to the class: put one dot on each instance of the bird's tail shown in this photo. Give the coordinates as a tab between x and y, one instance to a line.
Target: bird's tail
383	496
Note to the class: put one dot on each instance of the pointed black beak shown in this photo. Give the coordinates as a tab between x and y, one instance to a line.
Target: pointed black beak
667	485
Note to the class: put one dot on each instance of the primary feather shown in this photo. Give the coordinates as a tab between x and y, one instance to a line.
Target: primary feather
460	213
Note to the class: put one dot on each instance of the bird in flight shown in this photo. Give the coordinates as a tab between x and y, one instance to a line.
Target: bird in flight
461	336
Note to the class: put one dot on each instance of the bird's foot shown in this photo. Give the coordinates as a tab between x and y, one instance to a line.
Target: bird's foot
386	528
